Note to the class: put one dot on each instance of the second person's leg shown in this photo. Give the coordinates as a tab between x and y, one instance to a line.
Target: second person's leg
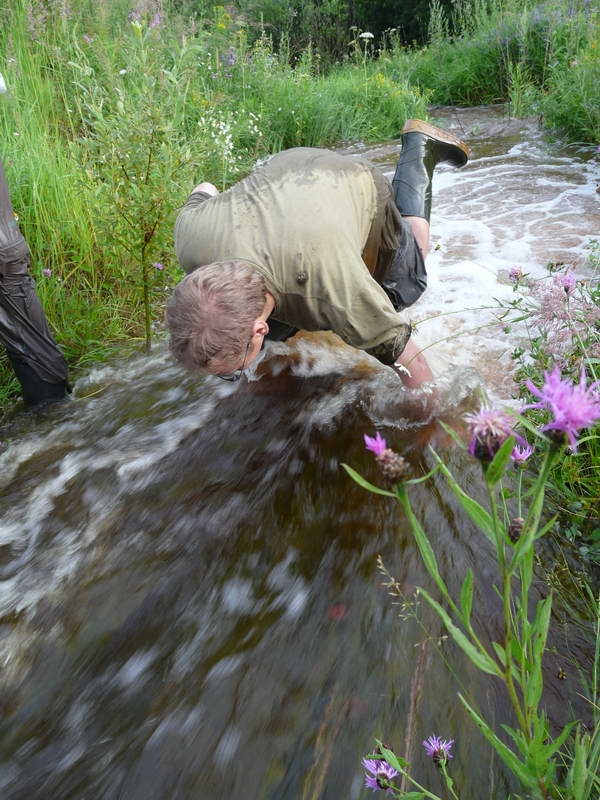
37	361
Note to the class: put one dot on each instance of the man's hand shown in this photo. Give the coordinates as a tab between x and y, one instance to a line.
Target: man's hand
412	367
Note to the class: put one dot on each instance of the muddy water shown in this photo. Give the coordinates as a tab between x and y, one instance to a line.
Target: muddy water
192	607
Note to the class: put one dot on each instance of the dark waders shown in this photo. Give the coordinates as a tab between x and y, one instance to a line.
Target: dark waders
38	363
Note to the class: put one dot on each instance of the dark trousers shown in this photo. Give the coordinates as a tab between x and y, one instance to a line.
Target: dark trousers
36	359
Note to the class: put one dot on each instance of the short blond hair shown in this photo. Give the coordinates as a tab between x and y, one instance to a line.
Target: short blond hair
211	313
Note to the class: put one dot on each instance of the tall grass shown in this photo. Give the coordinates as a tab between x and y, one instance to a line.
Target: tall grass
543	58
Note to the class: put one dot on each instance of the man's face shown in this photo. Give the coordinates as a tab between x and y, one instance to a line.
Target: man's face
237	367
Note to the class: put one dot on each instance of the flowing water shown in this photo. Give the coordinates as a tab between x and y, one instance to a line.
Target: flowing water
191	606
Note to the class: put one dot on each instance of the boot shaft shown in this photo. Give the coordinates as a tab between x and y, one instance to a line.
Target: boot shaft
423	148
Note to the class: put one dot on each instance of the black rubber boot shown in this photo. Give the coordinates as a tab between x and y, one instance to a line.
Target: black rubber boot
34	389
423	147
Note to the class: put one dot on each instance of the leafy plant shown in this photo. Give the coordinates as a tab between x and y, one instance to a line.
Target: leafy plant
546	765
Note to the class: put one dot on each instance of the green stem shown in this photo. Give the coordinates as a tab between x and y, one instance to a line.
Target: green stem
146	291
535	510
449	781
505	575
508	676
526	572
596	660
148	329
415	783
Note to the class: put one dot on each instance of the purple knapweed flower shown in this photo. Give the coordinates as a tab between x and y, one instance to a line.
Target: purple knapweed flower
573	406
438	749
156	20
47	273
158	265
376	444
489	429
520	454
133	16
391	463
515	274
377	774
566	282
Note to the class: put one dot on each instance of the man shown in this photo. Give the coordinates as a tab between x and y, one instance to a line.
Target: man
38	363
310	240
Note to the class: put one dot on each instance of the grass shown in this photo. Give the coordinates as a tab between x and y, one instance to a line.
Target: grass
544	59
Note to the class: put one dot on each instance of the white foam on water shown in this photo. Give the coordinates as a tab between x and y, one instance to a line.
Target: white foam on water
127	451
524	207
224	668
298	598
228	746
133	669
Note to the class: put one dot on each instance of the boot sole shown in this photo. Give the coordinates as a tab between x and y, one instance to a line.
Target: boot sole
440	135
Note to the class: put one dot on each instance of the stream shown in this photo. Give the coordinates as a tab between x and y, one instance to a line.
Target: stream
192	605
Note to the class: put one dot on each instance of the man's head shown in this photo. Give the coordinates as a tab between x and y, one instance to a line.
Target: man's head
215	317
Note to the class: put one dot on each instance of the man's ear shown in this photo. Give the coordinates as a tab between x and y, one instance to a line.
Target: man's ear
260	326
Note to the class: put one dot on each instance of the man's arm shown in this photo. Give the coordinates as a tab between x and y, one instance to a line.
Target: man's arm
362	314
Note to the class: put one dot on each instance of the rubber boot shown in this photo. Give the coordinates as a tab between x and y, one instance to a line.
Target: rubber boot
34	389
423	147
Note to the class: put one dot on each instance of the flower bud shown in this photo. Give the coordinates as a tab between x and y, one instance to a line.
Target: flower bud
515	528
392	465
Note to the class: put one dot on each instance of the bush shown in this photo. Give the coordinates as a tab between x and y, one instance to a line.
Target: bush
571	103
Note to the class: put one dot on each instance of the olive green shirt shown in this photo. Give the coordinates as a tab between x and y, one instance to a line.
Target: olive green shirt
302	219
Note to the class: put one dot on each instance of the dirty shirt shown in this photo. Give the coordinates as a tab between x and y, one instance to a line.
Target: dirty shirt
303	220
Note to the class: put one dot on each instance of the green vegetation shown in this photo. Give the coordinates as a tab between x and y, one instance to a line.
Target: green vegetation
562	317
543	59
562	764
